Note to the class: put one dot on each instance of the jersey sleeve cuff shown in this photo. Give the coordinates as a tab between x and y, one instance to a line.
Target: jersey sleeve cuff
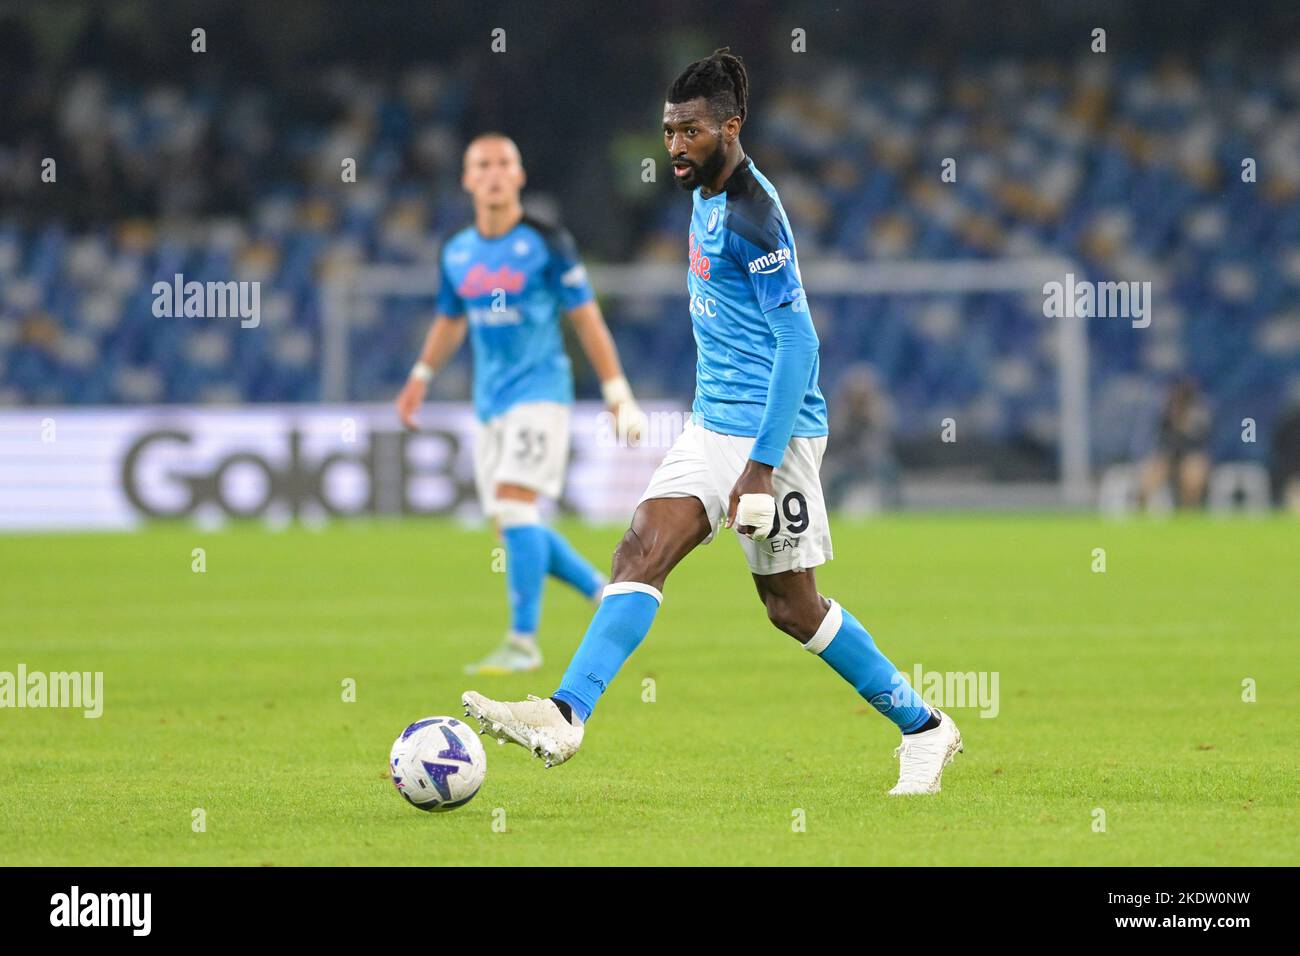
766	454
579	299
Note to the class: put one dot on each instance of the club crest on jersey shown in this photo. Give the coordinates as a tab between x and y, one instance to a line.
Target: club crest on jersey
699	261
713	220
772	262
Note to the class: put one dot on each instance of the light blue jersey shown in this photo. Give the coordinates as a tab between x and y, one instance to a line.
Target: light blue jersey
512	289
753	330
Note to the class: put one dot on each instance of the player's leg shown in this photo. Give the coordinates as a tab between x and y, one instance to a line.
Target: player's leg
663	531
782	566
678	511
509	496
523	536
520	458
537	455
1193	475
823	627
565	563
1153	477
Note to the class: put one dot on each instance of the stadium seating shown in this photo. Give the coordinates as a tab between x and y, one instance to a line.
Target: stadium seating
1132	172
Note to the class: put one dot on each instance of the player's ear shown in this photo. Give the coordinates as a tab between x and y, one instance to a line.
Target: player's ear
731	128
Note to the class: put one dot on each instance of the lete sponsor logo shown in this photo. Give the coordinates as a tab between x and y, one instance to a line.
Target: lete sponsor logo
699	261
480	280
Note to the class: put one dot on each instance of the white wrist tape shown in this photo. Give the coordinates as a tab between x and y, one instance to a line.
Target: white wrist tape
633	424
757	511
422	370
616	391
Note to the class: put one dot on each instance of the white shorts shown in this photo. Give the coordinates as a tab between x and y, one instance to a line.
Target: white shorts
527	445
705	465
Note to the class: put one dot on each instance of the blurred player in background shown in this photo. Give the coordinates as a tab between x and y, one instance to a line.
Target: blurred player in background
861	468
1285	465
506	279
750	454
1182	453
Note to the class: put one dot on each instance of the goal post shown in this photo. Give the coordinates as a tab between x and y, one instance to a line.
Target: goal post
342	292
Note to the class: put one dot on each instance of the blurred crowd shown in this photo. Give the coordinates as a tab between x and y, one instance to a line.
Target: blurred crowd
1130	167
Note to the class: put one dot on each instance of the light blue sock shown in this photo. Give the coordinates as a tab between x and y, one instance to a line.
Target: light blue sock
571	567
526	557
844	644
622	620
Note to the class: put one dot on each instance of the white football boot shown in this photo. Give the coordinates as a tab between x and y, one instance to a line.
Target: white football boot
922	757
534	724
516	655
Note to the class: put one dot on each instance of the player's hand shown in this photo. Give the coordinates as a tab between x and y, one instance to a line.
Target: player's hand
409	400
630	422
751	509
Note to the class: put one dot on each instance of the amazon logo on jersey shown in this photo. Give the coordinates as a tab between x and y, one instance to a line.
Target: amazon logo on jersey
772	262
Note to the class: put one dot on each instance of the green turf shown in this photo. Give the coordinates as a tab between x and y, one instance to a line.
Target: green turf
1120	691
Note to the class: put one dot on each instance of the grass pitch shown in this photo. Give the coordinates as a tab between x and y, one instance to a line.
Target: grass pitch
1120	692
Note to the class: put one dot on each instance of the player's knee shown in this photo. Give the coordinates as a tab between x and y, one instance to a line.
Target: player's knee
505	491
631	558
513	512
791	616
637	559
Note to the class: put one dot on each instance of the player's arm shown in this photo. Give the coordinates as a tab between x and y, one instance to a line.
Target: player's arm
781	298
442	342
578	300
796	353
593	333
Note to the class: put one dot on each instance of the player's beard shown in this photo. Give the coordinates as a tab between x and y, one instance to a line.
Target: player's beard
705	172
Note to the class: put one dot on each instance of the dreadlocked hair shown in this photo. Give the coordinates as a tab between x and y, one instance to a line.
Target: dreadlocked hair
721	79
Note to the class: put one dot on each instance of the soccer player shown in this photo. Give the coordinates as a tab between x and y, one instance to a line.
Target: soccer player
750	453
505	280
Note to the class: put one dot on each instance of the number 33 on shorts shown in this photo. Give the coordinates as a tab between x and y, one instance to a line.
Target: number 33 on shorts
527	446
530	446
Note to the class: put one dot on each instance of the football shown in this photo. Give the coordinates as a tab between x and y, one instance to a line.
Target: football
437	764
